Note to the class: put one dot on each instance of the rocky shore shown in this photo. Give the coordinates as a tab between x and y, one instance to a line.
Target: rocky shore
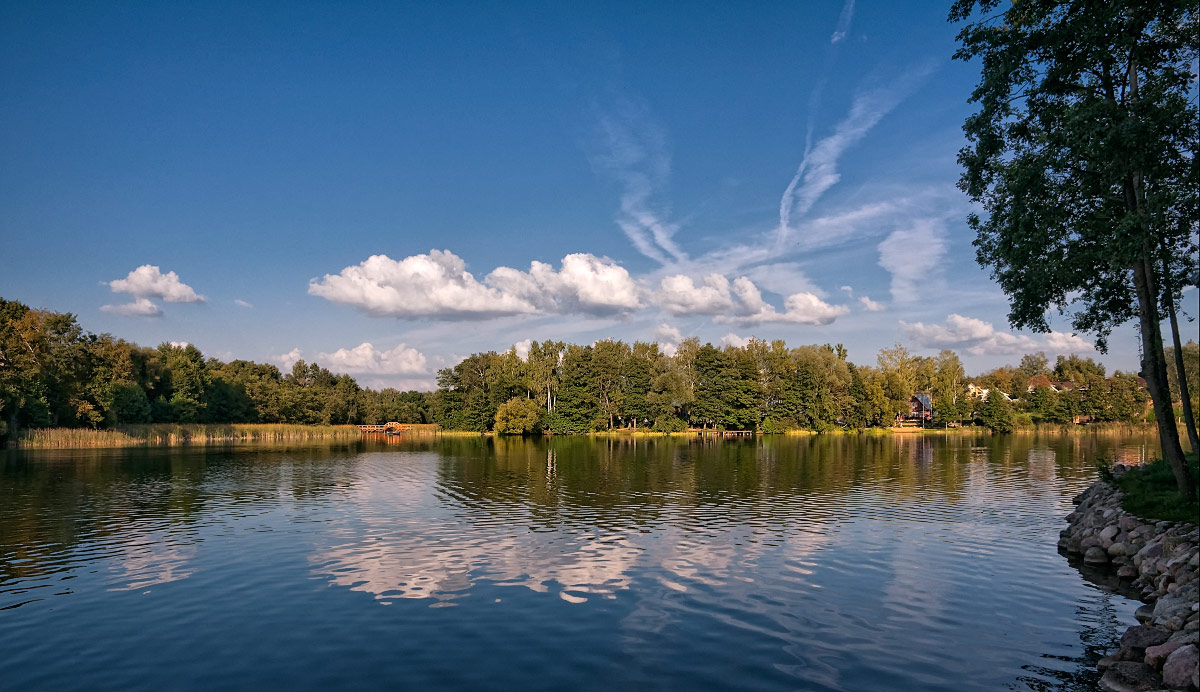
1162	559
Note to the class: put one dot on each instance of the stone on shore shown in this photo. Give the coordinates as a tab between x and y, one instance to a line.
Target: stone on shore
1157	655
1159	558
1180	670
1130	676
1143	637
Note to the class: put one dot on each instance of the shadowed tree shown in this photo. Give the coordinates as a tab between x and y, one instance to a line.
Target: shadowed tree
1083	155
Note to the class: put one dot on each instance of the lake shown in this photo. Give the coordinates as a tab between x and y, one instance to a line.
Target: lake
835	562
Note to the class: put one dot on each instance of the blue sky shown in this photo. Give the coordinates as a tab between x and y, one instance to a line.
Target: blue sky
385	188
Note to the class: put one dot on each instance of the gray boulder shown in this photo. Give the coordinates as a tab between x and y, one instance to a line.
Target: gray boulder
1143	637
1129	676
1157	655
1180	669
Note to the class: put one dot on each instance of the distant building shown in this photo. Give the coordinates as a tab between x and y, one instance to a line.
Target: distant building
920	411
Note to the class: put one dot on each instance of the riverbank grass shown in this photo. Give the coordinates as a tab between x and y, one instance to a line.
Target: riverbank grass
166	434
1151	492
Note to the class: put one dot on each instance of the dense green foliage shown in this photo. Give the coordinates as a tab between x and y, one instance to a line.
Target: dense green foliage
53	374
766	387
1191	371
1083	157
997	414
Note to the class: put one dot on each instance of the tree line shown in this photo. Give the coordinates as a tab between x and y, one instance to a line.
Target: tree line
765	387
54	374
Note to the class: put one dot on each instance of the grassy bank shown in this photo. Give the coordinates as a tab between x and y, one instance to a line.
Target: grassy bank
165	434
1151	492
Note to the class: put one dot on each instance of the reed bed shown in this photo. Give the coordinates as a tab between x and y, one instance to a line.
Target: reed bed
166	434
71	438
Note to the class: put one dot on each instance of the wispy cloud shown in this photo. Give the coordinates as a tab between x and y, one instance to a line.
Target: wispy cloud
635	154
242	304
818	169
912	256
843	25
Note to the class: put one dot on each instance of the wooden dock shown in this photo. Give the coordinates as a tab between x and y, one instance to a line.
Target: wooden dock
390	428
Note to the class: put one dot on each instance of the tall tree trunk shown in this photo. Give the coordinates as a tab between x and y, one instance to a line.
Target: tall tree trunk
1155	371
1189	419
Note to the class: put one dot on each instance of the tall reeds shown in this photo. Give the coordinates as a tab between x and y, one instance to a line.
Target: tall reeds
165	434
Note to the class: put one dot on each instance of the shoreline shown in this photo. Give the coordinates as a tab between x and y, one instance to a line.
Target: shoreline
1159	560
178	434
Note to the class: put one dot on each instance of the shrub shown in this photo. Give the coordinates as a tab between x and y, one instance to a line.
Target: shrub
997	414
518	416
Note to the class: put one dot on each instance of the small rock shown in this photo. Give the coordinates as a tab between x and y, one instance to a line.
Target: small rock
1180	668
1127	571
1130	676
1144	613
1095	554
1174	623
1109	533
1157	655
1117	550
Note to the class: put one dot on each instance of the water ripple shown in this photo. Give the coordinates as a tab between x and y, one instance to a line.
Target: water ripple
828	563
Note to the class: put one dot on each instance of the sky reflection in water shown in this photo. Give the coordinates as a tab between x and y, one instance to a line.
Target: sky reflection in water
833	562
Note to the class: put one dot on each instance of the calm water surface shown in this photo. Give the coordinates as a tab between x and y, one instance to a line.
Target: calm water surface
823	563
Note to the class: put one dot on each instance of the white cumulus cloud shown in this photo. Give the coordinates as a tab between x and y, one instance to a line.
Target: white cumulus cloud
870	305
680	295
799	308
365	359
1063	343
585	283
979	338
148	281
438	285
142	307
287	360
668	338
732	339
